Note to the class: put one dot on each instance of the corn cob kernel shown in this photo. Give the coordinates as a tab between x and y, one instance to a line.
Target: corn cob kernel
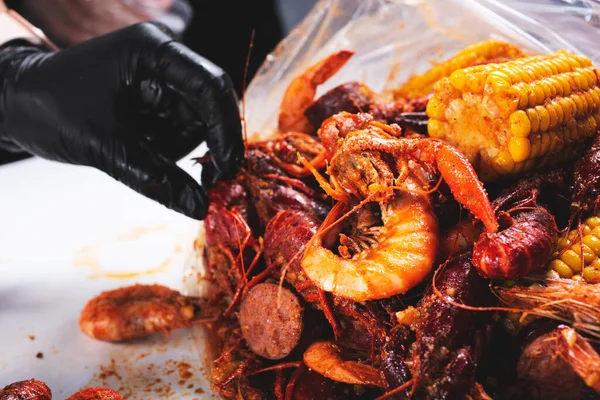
472	56
562	268
520	124
579	259
519	148
591	275
536	110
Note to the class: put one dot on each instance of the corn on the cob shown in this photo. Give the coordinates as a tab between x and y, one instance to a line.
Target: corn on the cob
518	115
567	261
478	53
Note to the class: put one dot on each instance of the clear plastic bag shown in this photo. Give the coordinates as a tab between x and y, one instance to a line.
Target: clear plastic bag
394	39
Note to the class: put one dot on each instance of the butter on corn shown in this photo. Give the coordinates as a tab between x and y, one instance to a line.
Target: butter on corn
518	115
478	53
567	260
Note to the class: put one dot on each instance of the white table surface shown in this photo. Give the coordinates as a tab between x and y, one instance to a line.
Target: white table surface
66	234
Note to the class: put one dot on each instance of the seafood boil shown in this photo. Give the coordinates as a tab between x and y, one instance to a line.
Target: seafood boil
440	240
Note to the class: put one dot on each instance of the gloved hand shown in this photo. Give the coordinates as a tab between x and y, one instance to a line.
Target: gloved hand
129	103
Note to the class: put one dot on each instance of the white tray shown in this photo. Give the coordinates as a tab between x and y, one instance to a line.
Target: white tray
67	233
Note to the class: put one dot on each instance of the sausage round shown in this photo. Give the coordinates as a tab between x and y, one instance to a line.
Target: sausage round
271	330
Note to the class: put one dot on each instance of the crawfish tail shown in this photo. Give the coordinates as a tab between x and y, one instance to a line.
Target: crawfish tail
522	248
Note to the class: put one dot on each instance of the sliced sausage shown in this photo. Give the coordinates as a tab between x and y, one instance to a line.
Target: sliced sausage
271	329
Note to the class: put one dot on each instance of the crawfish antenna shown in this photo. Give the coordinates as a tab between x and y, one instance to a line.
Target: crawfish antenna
244	82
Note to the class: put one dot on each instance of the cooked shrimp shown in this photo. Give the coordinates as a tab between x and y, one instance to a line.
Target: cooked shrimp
565	300
405	248
140	310
402	257
325	359
96	393
300	94
580	355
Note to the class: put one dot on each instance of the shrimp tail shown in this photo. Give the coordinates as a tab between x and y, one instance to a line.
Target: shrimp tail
300	94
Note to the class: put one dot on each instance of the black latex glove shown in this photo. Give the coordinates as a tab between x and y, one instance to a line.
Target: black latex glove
129	103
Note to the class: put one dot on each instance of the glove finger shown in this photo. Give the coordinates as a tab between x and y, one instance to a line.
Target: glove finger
168	120
156	177
210	175
211	91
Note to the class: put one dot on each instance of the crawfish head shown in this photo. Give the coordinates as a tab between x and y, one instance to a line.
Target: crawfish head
527	191
335	128
271	196
369	160
362	174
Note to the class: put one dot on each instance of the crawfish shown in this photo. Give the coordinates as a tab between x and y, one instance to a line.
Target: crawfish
96	393
31	389
354	97
450	340
231	251
528	233
228	375
585	192
281	153
274	195
359	149
526	245
275	180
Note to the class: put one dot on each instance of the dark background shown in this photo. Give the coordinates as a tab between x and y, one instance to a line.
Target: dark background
221	30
